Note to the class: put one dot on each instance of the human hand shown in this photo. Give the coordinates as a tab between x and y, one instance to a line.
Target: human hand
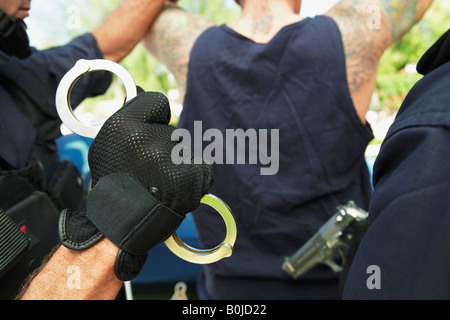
137	140
139	196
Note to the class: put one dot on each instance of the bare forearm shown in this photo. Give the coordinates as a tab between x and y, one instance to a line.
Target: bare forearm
77	275
403	14
125	27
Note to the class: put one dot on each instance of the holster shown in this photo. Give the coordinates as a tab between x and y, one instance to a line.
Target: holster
30	209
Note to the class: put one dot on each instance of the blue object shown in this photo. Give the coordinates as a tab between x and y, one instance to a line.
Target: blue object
291	94
163	266
75	148
370	163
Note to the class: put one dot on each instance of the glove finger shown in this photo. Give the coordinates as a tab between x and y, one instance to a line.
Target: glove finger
185	185
208	177
146	107
139	90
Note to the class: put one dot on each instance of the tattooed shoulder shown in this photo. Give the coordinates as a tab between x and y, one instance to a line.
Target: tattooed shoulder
368	28
172	37
365	33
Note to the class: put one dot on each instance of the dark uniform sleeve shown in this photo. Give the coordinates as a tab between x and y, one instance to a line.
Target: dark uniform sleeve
49	66
405	254
52	64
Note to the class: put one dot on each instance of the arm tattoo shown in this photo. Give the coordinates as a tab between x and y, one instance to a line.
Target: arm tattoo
364	43
402	15
362	46
172	37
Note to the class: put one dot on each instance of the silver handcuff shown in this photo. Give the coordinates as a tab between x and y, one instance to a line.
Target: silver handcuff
65	111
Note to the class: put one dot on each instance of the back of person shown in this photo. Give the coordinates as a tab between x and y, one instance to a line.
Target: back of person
292	91
304	89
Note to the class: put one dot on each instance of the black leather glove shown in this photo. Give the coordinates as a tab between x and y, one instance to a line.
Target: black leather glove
139	197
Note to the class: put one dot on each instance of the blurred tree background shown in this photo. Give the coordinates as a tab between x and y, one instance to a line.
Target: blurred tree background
396	76
397	72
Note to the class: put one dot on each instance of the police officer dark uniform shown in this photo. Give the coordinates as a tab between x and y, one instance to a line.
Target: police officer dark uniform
34	184
404	255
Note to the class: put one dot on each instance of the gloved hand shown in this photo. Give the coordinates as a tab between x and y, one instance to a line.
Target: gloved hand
139	197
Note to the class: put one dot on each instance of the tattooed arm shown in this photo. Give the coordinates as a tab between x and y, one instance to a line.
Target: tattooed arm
368	28
172	37
404	14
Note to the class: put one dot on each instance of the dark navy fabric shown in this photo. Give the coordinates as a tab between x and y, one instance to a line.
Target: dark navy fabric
17	134
409	216
297	84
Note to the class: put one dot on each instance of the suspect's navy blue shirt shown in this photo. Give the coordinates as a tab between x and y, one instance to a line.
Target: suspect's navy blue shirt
296	84
17	134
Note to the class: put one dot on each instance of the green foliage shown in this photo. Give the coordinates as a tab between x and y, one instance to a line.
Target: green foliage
392	89
393	82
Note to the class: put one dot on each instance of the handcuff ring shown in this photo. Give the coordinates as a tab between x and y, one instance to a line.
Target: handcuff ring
206	256
68	82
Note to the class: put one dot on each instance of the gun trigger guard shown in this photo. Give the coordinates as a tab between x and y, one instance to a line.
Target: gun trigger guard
343	256
206	256
333	265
